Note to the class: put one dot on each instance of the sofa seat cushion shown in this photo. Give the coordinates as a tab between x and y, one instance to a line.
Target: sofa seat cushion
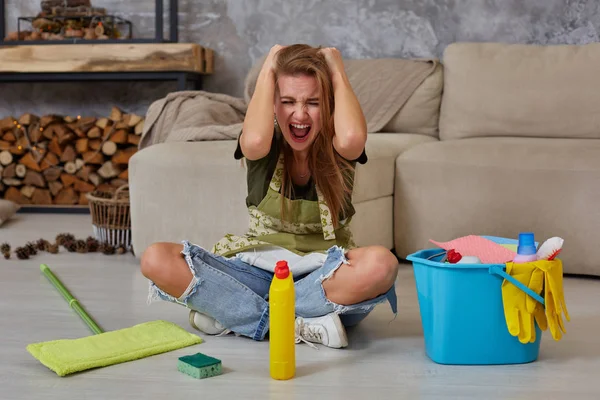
501	186
375	179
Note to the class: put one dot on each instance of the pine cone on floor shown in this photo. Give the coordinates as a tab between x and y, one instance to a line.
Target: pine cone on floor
7	255
70	245
42	245
53	248
62	238
22	253
121	250
81	246
107	248
92	244
31	248
5	248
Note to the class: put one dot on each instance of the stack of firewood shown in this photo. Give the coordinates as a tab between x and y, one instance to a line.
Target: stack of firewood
57	160
62	19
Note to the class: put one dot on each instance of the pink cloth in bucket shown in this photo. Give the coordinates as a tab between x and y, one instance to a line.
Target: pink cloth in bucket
473	245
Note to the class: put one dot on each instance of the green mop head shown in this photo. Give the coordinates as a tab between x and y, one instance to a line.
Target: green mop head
199	366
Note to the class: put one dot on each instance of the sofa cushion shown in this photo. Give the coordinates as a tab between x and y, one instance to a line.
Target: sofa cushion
501	186
375	179
421	112
493	89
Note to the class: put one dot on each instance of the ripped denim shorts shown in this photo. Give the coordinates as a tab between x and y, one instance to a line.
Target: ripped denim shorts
236	293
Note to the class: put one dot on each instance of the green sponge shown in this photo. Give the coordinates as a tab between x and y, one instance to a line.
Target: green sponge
199	366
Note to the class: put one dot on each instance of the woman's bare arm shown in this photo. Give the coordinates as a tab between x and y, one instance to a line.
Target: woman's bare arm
349	120
257	132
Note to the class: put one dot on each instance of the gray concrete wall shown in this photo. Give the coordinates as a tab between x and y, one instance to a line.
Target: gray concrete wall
240	31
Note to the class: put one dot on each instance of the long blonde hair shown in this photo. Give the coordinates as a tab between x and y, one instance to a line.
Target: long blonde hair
331	172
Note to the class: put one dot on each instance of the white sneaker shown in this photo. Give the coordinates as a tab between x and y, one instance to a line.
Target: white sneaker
206	323
327	330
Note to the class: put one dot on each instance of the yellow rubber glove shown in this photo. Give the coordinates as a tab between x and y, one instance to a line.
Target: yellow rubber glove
520	311
554	296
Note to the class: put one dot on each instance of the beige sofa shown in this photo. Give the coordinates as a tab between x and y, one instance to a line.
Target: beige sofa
500	139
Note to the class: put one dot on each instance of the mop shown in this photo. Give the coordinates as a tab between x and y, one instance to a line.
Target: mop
67	356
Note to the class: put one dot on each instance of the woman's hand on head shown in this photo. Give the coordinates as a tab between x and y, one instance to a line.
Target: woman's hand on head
271	60
334	60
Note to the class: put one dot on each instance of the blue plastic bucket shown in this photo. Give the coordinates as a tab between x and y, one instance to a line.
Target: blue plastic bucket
462	313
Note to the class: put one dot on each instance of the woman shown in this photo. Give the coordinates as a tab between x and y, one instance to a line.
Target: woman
303	133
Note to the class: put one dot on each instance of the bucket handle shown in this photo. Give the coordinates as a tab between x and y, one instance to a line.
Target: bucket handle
499	270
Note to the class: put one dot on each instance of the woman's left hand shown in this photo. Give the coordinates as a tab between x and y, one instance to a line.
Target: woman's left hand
334	60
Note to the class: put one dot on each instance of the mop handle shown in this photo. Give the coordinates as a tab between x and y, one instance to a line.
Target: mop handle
70	299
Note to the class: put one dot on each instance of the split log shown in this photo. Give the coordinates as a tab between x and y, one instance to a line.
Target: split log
12	182
68	155
27	191
55	147
49	119
35	133
47	5
82	145
6	157
7	123
108	170
84	173
93	157
119	136
15	195
42	196
95	132
28	161
102	123
124	175
9	137
117	183
105	187
21	170
67	179
66	196
133	139
49	161
139	128
109	148
83	200
55	187
28	119
133	119
96	179
116	114
82	186
79	163
4	145
52	174
95	144
1	187
123	156
10	171
35	178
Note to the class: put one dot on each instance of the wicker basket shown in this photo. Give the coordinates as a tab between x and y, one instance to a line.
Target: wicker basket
111	217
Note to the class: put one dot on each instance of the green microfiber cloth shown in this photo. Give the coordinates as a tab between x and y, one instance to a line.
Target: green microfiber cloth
67	356
199	366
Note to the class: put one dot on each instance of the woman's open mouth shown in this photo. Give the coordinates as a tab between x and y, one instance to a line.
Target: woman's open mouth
299	133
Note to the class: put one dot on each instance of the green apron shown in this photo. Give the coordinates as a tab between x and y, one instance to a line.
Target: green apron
308	228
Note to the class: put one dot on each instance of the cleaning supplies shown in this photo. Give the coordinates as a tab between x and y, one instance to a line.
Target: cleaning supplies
106	348
66	356
526	250
282	318
199	366
550	249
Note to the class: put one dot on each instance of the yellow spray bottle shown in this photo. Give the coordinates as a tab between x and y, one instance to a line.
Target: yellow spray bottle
282	316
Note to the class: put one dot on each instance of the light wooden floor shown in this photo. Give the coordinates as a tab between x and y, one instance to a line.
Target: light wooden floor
384	358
